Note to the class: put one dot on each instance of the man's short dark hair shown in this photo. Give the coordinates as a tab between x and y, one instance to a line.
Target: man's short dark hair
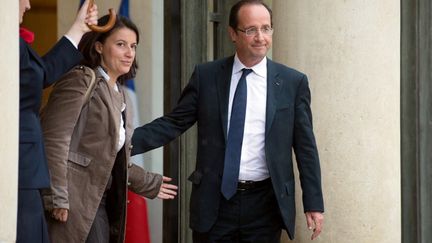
233	17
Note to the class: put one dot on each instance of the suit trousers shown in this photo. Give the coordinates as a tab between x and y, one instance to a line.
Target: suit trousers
251	215
31	227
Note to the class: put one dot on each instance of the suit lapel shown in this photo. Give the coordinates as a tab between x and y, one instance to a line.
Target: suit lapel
223	85
111	98
274	84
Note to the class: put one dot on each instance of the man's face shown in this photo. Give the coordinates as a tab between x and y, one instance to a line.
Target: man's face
252	49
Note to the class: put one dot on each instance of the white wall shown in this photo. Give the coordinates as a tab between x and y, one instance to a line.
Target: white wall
148	15
9	95
350	51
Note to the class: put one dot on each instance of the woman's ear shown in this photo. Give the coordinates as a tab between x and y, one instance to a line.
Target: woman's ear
98	47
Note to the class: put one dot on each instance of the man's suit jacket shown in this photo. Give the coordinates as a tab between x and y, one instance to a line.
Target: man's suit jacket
288	127
35	74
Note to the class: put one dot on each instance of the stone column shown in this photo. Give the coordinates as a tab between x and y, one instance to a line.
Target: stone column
9	94
350	51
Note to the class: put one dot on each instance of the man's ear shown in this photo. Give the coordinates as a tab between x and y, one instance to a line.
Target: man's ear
98	47
232	33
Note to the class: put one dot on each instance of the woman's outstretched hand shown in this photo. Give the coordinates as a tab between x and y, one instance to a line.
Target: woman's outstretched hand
167	191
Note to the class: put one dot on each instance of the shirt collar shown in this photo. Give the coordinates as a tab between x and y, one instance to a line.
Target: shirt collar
107	78
103	73
260	68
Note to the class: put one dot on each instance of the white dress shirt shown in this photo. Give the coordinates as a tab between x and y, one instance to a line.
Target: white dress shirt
252	163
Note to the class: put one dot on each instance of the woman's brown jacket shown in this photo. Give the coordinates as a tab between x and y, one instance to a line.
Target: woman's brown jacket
81	140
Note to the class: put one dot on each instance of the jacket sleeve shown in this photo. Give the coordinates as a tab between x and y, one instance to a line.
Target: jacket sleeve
165	129
306	151
58	120
60	59
142	182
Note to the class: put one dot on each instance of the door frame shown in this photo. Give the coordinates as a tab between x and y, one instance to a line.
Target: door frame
416	120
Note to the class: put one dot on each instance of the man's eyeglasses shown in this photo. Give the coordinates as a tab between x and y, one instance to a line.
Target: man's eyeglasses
253	31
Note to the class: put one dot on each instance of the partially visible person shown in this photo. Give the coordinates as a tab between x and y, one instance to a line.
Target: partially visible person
252	114
37	73
88	142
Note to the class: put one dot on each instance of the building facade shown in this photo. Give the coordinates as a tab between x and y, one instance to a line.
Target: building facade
368	63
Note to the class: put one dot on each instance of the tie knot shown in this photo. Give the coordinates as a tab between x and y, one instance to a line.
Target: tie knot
246	72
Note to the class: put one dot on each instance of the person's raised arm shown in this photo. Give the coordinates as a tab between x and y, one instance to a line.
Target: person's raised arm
79	27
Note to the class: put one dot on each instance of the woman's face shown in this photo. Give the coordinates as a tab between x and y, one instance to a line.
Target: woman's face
118	52
24	5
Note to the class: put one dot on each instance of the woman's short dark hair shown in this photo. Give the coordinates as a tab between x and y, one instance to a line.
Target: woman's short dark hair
233	17
92	58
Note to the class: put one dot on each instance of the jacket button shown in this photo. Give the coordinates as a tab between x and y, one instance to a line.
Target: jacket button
129	183
130	165
128	201
130	147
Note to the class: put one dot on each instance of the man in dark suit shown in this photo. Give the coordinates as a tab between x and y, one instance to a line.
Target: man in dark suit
251	113
35	74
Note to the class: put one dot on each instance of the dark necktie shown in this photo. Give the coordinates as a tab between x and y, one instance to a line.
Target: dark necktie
235	138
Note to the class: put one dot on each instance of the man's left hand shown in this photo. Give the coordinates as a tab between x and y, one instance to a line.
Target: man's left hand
315	221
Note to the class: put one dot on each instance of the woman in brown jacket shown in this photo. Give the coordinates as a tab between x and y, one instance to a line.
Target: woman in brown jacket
88	142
